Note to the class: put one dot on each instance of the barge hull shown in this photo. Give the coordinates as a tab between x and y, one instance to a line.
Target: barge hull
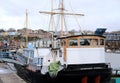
66	75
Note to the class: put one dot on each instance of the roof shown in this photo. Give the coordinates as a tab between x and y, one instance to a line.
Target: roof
100	31
80	36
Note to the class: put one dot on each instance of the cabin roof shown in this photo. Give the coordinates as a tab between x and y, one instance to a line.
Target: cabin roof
81	36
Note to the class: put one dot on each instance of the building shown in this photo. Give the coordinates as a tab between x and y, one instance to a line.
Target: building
112	40
34	33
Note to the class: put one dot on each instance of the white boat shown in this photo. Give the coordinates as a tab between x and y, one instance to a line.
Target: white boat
70	58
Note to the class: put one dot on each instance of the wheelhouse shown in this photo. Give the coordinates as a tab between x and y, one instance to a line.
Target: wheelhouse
83	49
83	41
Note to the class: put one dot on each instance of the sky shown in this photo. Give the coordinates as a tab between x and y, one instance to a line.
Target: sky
98	14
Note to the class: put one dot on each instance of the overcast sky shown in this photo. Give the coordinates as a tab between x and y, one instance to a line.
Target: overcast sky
98	14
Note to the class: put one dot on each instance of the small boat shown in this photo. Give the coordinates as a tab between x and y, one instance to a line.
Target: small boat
7	54
6	51
76	58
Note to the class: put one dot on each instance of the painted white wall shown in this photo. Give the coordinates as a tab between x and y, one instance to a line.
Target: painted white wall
85	55
44	53
113	59
75	55
41	52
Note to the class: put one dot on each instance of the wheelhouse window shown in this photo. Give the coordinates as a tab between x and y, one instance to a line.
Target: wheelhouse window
101	41
85	41
63	43
95	42
73	42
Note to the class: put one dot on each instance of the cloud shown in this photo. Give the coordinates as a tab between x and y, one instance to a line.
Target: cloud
98	13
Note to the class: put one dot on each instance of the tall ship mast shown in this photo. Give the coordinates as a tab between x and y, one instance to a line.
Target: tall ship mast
61	12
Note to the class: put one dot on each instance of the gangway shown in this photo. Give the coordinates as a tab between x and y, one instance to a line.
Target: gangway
11	61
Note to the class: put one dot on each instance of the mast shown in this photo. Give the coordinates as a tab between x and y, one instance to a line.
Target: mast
62	16
52	22
26	28
27	35
61	12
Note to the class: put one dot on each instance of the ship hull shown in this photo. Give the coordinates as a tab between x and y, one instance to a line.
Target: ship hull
72	73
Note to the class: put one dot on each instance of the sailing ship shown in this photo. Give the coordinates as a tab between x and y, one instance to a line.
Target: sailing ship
76	58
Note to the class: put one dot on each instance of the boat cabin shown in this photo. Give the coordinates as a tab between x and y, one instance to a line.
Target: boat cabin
81	41
83	49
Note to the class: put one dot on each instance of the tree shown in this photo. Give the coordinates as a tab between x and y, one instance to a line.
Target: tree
72	32
2	30
11	30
